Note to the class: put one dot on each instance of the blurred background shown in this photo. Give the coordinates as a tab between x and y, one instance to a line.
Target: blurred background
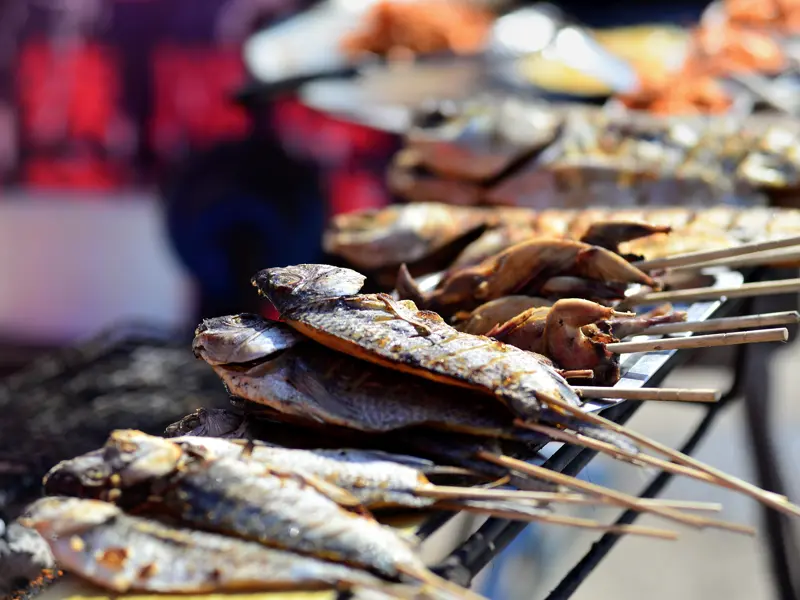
145	175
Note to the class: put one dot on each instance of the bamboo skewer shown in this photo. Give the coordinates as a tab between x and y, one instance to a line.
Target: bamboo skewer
704	256
727	323
771	499
701	341
781	257
613	496
446	492
569	521
639	459
657	394
758	288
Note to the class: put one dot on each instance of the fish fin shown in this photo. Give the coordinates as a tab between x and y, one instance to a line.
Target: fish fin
407	288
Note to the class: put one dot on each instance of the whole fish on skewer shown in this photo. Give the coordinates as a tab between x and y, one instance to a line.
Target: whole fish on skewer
323	302
99	542
391	401
278	507
526	268
125	467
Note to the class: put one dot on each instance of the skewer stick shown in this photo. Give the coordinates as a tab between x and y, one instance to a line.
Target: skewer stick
746	290
613	496
789	317
693	258
447	492
781	257
659	394
568	521
577	374
771	499
639	459
701	341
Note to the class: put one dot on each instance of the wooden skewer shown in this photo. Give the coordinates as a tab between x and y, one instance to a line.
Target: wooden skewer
569	521
758	288
693	258
701	341
577	374
789	317
658	394
781	257
447	492
771	499
639	459
613	496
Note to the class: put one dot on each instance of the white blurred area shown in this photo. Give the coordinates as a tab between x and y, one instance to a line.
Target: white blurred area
71	265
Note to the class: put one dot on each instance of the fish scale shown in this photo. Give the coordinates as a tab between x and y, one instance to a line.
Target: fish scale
366	327
168	559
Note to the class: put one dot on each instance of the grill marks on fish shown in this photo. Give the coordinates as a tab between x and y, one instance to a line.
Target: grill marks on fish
356	325
277	509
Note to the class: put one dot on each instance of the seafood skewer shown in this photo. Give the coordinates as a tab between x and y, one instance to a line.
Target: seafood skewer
323	302
277	507
527	267
99	542
390	401
373	478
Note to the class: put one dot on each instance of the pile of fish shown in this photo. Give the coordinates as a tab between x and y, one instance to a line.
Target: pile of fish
353	404
495	151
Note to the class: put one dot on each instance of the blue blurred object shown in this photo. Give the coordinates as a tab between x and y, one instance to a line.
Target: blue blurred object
238	208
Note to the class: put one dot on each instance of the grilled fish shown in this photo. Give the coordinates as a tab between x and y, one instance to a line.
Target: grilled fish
99	542
524	268
323	302
278	507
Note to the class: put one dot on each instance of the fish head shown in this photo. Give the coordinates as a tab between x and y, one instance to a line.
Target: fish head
290	287
86	476
244	338
60	516
210	422
136	457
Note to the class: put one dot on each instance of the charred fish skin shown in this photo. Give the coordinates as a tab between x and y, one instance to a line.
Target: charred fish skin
231	497
340	390
260	502
99	542
396	335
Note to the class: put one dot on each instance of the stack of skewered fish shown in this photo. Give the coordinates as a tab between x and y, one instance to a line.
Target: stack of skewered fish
520	153
361	403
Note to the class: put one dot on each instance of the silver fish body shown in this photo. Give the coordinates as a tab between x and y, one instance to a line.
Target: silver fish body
98	542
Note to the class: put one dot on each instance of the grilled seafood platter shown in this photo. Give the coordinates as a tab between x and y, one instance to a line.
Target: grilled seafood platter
356	408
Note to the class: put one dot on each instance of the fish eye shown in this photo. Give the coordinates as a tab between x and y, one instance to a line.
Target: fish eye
95	473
